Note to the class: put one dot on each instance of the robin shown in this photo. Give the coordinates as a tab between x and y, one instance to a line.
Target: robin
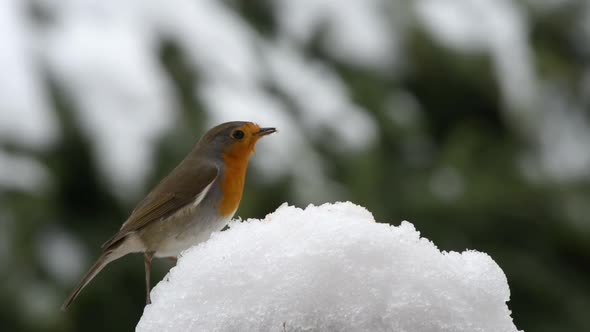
196	199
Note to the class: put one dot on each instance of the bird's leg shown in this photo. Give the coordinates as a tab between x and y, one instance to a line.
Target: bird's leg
148	266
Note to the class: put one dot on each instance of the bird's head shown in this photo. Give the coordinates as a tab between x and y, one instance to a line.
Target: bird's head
234	140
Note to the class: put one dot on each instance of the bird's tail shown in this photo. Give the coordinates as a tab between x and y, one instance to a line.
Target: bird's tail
100	263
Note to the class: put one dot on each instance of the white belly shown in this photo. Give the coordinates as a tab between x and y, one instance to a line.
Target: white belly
193	235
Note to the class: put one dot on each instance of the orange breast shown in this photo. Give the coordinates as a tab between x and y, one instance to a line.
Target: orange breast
232	184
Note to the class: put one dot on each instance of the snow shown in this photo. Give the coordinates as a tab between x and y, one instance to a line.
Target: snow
104	56
357	32
498	27
104	59
563	136
61	255
25	117
23	173
321	97
328	268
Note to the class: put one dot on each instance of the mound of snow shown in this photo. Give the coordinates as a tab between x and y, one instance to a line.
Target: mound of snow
328	268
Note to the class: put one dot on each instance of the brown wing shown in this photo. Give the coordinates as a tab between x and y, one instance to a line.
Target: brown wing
187	183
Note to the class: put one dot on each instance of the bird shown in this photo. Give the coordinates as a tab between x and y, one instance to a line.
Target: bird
199	197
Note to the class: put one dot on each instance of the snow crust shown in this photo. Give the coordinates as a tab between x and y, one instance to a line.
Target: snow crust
328	268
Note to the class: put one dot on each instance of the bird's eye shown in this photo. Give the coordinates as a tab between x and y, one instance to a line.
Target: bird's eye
238	134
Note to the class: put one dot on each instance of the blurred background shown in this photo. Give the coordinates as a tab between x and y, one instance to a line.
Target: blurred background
469	118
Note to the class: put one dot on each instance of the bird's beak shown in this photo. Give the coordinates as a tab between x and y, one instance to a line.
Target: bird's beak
266	131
